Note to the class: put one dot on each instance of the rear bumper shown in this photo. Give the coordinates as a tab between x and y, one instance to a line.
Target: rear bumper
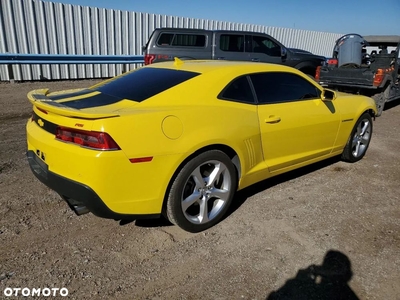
80	198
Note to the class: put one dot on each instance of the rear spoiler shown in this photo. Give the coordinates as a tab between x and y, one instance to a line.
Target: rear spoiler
40	99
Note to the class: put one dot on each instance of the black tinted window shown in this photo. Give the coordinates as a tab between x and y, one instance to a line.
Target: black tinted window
262	44
145	83
282	87
184	40
231	42
238	90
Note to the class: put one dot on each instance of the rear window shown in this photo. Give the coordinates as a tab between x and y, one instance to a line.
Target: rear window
184	40
145	83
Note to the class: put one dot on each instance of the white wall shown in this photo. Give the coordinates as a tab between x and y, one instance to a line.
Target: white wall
33	26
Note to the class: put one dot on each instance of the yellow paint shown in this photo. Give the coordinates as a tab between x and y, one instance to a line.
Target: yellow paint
171	126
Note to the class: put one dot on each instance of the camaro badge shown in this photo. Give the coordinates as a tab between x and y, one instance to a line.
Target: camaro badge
40	122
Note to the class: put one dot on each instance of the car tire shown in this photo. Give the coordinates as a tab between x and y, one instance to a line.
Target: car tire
202	191
359	139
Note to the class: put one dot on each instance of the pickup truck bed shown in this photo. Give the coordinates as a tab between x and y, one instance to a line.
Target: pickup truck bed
375	74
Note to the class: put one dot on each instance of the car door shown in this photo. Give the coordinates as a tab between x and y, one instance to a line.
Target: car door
295	124
261	48
230	46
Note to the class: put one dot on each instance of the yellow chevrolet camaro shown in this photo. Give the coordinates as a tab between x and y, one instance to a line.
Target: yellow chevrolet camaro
180	138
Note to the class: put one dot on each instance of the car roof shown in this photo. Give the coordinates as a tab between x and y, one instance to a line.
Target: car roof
389	40
203	66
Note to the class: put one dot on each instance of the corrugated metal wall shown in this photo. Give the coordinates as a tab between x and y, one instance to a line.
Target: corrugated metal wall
37	27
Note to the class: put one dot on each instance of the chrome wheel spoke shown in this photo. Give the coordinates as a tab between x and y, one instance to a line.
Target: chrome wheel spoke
365	139
215	174
220	194
363	128
203	215
189	201
357	150
354	143
358	132
198	178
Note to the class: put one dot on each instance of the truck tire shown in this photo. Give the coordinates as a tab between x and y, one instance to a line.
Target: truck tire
380	103
380	100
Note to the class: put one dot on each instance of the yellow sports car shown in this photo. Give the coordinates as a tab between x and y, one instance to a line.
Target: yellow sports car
179	138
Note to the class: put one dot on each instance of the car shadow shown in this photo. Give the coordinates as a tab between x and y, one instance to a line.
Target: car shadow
149	223
242	195
328	281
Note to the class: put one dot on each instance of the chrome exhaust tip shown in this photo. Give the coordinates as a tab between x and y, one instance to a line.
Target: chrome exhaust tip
80	209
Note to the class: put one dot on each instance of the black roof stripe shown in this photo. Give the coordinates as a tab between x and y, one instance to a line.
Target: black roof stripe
94	101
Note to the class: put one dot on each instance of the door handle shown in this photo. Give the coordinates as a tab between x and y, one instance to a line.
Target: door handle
273	119
220	57
255	59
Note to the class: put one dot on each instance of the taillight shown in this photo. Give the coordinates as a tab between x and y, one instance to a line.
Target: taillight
87	139
378	77
332	61
318	73
148	59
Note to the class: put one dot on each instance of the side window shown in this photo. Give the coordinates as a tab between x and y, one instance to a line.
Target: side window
238	90
231	42
165	39
262	44
184	40
276	87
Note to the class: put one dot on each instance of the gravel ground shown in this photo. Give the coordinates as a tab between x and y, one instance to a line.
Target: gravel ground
328	229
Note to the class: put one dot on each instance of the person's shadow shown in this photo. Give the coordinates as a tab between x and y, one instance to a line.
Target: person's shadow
328	281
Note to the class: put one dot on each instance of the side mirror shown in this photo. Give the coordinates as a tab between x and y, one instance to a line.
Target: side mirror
283	51
328	95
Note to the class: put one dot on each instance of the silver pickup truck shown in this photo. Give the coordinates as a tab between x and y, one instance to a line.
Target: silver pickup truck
166	43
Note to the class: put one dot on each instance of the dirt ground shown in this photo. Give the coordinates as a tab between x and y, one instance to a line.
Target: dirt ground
275	235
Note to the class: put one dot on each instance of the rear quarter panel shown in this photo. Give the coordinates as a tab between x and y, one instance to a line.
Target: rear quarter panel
183	130
182	120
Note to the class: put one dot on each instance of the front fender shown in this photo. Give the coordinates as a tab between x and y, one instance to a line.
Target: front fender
351	107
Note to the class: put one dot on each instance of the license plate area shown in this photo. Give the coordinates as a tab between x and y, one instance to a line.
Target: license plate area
41	155
38	166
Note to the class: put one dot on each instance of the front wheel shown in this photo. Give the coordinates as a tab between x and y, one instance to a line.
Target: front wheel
359	140
202	191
